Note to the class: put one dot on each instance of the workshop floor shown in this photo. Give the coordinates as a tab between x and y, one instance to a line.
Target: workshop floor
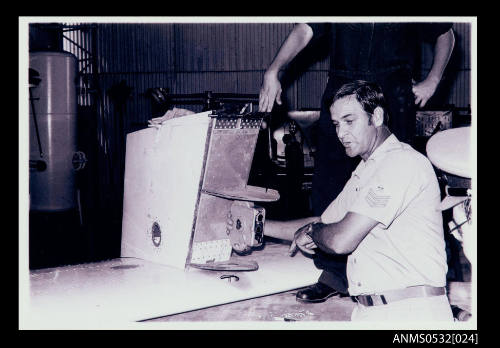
277	307
284	307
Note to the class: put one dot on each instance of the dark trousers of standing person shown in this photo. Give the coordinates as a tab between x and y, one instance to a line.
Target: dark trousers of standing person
333	168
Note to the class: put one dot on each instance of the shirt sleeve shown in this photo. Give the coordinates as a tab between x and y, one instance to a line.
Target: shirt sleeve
431	31
387	192
337	209
320	31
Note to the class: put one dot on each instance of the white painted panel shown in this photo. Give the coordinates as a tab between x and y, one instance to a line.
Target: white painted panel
162	178
124	290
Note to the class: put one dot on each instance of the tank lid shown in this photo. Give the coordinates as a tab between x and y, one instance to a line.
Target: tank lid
52	53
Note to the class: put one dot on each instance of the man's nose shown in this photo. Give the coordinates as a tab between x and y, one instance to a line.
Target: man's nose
340	132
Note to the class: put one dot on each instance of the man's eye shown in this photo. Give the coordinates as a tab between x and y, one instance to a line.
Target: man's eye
348	122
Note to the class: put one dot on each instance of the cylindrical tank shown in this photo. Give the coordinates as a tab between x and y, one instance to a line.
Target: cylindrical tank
54	102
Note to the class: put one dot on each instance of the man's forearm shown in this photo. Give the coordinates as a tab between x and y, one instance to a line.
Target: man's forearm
298	38
285	230
344	236
442	53
323	236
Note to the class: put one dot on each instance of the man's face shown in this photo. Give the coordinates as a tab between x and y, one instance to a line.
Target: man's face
353	128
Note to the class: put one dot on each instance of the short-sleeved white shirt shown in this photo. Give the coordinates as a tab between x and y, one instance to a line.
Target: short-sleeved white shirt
397	187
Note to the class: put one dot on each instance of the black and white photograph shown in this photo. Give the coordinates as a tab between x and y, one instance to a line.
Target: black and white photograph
254	173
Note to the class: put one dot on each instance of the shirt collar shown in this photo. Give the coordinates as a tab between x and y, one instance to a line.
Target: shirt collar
390	144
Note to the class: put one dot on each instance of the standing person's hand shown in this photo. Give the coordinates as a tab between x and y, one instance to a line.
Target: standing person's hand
424	90
270	91
303	241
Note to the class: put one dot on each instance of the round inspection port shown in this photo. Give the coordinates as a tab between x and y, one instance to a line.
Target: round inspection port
260	217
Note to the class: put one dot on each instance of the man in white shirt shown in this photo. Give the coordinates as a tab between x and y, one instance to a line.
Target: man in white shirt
386	219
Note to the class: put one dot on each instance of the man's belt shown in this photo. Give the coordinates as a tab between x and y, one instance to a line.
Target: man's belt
402	294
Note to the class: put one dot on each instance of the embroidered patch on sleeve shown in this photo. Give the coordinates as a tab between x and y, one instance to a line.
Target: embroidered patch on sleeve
376	199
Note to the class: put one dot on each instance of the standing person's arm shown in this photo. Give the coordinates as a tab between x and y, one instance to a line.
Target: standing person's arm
425	89
270	90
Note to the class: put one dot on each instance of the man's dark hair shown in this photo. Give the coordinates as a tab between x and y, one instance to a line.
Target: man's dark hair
368	94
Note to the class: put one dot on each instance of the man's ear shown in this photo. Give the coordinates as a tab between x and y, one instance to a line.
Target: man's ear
378	116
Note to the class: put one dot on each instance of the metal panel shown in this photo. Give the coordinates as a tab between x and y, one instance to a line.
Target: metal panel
163	173
228	46
460	89
139	48
310	89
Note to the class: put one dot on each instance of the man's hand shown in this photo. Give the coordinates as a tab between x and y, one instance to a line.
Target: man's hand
269	92
442	53
303	241
424	90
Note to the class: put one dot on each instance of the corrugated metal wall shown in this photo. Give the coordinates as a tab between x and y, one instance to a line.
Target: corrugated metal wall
460	86
78	41
185	58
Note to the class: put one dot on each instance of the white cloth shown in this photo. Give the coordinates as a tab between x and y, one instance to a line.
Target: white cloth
175	112
396	186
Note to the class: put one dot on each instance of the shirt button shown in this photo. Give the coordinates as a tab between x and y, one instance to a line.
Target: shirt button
354	260
359	284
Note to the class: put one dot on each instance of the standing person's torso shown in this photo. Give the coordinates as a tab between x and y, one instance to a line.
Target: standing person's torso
361	49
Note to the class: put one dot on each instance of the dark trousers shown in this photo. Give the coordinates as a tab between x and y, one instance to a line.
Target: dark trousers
333	168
